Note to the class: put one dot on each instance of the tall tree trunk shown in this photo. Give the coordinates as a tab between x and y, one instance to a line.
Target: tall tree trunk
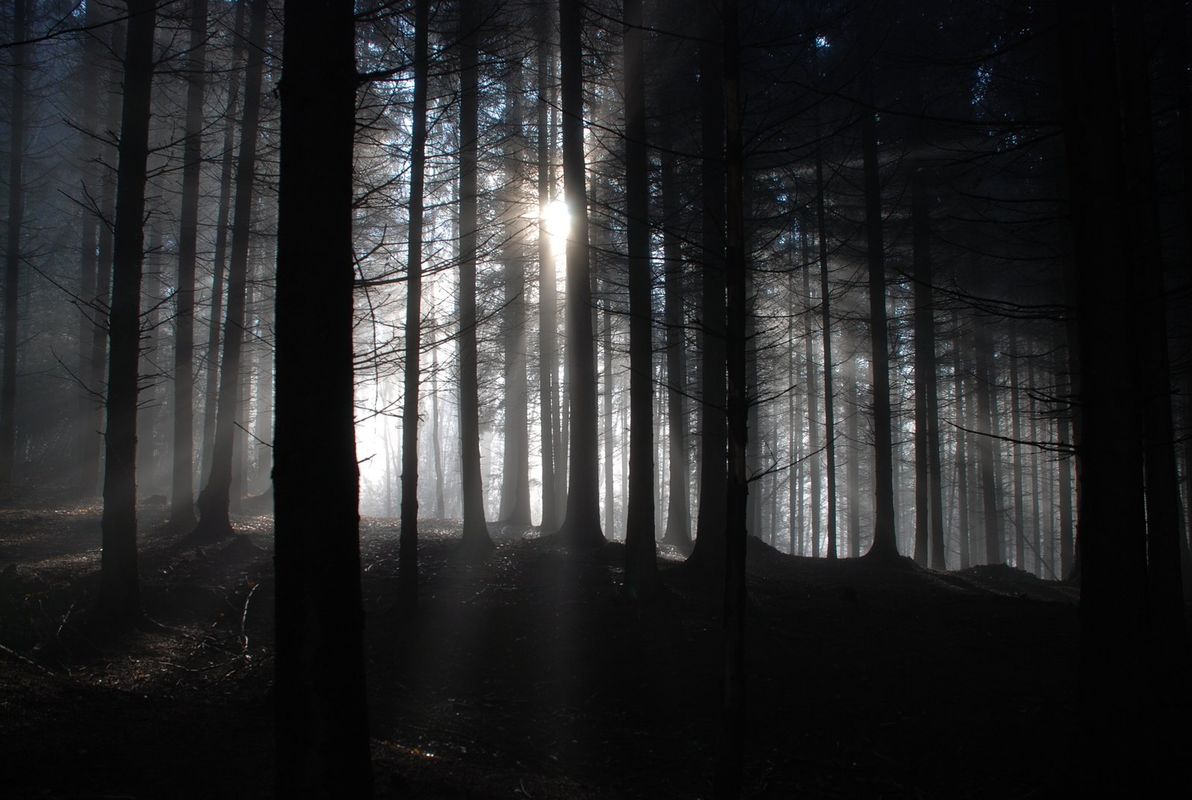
962	414
547	299
436	442
182	501
12	255
1016	455
826	330
581	524
218	265
1064	462
885	545
641	565
986	447
103	273
606	401
709	552
730	773
678	522
407	572
119	589
149	403
320	709
929	522
813	439
90	333
515	476
1112	513
214	501
853	469
475	530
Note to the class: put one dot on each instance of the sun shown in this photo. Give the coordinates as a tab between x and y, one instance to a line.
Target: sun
557	219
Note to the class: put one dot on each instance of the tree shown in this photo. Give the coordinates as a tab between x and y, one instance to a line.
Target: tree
119	587
581	524
708	552
641	566
885	545
215	499
182	510
475	532
321	720
408	554
12	253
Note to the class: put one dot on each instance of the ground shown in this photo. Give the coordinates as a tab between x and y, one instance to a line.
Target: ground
532	676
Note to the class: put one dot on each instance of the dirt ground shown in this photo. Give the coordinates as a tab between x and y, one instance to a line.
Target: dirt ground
532	676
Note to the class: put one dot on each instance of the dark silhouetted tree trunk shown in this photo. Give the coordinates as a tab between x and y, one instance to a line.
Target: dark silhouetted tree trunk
1112	513
321	717
708	552
1016	455
182	501
826	327
12	254
582	522
853	468
678	522
219	263
641	566
119	590
730	772
929	498
407	572
812	392
885	545
215	499
515	475
91	335
547	301
475	530
986	447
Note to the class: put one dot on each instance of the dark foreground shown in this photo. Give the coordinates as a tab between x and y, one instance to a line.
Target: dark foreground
531	676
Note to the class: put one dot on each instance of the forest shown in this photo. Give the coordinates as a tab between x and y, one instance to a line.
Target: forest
603	399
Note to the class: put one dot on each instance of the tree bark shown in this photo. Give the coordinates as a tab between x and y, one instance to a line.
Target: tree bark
407	572
582	522
215	499
320	709
182	505
826	332
119	589
641	565
547	300
475	529
12	254
678	522
708	553
211	391
885	545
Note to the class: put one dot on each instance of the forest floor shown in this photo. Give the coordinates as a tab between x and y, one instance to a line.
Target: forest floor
531	675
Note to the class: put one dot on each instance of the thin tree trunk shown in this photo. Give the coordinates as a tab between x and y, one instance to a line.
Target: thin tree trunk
962	415
709	552
641	566
983	349
826	332
678	522
853	470
211	390
582	522
436	442
408	547
475	529
1016	455
119	589
90	333
321	719
730	773
215	499
149	403
813	439
885	544
12	255
547	300
182	501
